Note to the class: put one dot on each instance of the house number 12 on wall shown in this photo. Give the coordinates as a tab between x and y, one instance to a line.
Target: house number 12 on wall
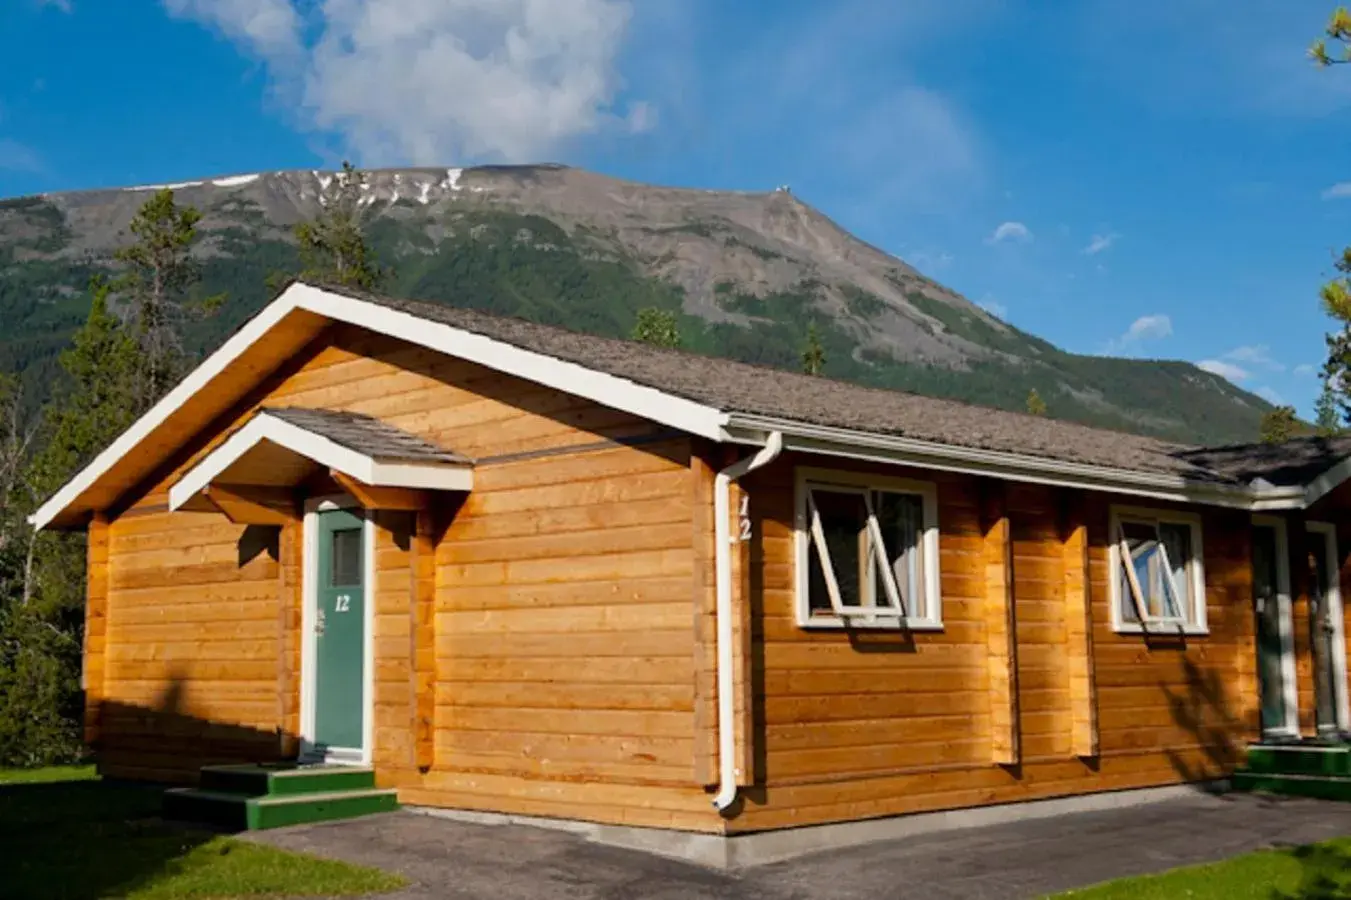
745	531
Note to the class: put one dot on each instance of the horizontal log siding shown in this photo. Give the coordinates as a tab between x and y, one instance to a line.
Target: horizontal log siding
562	628
875	724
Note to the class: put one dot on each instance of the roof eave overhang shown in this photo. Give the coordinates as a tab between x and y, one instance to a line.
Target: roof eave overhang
895	450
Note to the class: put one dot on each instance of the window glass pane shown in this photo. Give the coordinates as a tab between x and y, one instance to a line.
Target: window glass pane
1177	539
901	520
345	569
1143	542
844	521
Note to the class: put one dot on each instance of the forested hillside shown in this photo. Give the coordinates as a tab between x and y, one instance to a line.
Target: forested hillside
747	275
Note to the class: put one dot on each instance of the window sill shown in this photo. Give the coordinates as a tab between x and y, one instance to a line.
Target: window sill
837	624
1162	630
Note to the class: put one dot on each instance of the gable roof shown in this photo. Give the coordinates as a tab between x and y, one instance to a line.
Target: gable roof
364	448
718	399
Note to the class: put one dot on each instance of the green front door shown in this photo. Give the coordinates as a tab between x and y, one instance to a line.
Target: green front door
1270	646
340	633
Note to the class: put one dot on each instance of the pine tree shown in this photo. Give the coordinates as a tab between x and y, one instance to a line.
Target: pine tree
658	327
1279	425
1035	405
42	591
813	354
158	283
1326	415
332	246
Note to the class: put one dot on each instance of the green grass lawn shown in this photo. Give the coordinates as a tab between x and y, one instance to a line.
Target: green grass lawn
66	835
1313	872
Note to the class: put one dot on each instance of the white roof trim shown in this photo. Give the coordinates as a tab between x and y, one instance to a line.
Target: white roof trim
1013	466
1324	484
666	409
608	390
212	367
325	452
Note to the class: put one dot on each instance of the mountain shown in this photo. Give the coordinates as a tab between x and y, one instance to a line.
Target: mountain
747	272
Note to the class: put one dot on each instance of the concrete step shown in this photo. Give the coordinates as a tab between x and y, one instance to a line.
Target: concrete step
1322	787
239	812
285	779
1299	759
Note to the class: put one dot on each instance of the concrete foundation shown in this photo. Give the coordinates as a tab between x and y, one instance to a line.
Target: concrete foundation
761	848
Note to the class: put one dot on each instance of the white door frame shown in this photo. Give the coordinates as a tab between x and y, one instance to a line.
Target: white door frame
1333	574
1285	618
338	755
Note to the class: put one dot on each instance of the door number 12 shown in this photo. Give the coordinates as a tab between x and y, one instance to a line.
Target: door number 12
342	603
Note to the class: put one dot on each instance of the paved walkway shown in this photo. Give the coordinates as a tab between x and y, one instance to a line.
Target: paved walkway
448	859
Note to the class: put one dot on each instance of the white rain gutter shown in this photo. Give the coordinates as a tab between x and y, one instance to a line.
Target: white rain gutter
722	535
892	450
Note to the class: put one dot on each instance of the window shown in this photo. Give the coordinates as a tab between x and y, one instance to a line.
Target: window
867	552
347	552
1158	584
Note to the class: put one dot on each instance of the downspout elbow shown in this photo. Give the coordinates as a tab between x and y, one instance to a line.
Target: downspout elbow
723	538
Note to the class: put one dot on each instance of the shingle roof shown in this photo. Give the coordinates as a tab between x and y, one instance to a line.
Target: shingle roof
366	435
1290	463
736	387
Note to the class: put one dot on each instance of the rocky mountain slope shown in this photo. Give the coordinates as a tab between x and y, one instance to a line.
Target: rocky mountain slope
748	273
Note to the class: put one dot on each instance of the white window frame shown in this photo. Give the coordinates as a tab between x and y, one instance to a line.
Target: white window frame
886	615
1194	620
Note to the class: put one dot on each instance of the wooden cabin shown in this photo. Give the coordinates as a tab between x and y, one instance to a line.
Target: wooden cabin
518	569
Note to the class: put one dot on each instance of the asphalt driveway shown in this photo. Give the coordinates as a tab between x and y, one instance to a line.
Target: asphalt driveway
450	859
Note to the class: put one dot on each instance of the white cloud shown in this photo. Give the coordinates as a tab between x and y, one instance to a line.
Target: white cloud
930	260
1258	355
1270	395
439	81
1100	242
1145	328
1224	369
16	157
1339	191
1010	232
1304	370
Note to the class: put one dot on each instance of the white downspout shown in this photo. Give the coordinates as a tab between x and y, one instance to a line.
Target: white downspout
723	538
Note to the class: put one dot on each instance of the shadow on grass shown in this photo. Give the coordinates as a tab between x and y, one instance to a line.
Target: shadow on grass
86	839
81	840
1325	873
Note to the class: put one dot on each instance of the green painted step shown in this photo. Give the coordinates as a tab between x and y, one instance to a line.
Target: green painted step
240	812
1322	787
1267	759
285	779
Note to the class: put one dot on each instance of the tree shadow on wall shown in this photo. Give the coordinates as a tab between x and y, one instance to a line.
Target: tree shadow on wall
82	840
1201	708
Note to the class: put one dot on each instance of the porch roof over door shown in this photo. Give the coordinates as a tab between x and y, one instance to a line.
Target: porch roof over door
252	474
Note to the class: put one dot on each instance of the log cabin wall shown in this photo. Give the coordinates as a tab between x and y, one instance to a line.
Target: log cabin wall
550	613
873	723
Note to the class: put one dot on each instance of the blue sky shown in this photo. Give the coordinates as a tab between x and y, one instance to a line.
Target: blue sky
1155	179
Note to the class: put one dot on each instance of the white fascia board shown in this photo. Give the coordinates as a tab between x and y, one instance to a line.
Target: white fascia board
212	367
434	477
324	452
268	428
1324	484
1015	467
605	389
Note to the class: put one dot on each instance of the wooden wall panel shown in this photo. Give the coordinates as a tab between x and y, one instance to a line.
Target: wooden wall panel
1001	621
422	613
1079	627
704	588
196	636
872	724
95	629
